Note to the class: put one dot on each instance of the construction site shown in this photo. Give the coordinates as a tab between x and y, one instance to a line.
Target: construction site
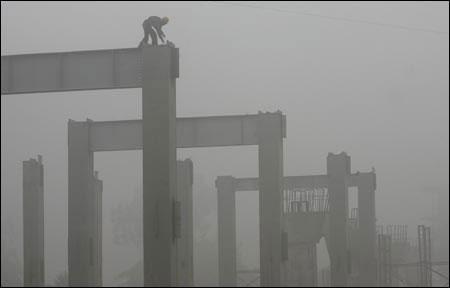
334	223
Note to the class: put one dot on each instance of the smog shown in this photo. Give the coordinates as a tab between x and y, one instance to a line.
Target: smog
225	144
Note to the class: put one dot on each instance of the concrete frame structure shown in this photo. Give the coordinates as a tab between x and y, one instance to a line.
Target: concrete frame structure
158	135
208	131
337	183
33	223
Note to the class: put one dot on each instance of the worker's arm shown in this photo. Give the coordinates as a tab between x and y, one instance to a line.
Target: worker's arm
160	33
161	36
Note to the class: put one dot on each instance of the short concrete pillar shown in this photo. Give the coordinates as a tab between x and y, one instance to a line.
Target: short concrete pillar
226	218
33	223
338	170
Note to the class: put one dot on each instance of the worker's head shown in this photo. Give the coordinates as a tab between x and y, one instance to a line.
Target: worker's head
165	20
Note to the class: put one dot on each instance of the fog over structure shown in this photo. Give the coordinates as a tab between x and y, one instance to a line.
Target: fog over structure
340	112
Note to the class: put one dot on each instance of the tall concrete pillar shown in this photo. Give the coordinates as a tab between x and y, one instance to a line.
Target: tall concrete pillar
338	170
184	231
366	184
226	216
271	130
33	223
82	241
160	70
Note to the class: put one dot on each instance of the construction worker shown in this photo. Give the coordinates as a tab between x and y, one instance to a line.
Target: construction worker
153	22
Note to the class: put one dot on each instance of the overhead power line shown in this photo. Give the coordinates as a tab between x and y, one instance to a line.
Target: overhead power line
336	18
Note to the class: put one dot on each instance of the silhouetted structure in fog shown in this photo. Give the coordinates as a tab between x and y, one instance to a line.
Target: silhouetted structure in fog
33	223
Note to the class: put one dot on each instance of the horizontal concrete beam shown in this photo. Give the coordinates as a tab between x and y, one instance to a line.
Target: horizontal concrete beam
69	71
301	182
306	182
290	182
191	132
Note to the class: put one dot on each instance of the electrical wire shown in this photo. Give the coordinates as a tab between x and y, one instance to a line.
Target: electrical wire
337	18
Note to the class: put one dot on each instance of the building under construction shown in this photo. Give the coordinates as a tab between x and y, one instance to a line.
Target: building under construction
295	211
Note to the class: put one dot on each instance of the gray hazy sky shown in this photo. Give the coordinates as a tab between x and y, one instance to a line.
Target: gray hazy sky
379	93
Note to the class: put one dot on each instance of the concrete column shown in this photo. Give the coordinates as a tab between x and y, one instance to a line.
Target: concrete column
302	266
271	130
96	232
160	69
315	274
185	242
338	170
305	231
33	223
81	244
367	229
226	216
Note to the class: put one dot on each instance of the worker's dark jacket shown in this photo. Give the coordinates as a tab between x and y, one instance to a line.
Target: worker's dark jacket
152	21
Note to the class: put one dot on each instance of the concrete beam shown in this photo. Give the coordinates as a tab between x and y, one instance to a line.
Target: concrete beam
290	182
191	132
298	182
71	71
33	223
